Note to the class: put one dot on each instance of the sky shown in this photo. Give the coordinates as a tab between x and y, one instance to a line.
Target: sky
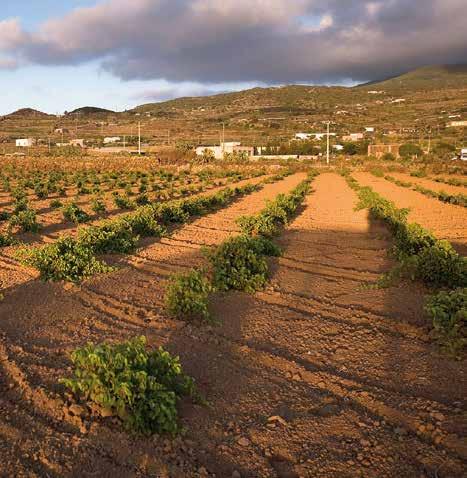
58	55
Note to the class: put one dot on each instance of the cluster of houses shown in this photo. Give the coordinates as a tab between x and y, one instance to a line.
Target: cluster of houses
29	142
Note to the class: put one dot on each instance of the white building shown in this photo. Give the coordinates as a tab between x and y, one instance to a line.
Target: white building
338	147
25	142
112	139
457	124
303	136
228	147
369	129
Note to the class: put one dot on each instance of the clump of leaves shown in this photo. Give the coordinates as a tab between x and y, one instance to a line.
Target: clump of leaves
6	240
123	202
108	236
239	263
141	387
25	220
65	259
56	204
187	296
448	312
97	205
72	212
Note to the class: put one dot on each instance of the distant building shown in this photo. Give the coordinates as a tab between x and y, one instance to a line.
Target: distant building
353	137
338	147
25	142
303	136
112	139
398	100
379	150
457	124
60	130
369	129
375	92
228	147
320	136
77	142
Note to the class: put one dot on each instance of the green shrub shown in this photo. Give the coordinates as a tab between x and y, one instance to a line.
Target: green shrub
187	296
448	312
123	202
408	150
239	263
64	259
141	387
98	205
56	204
26	220
109	236
144	222
73	213
6	240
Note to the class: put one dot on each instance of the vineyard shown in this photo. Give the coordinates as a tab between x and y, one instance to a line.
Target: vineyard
231	320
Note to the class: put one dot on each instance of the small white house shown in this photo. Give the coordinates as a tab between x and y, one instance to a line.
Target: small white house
369	129
112	139
338	147
228	147
25	142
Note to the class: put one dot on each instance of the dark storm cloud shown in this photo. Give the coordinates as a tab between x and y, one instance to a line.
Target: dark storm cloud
271	41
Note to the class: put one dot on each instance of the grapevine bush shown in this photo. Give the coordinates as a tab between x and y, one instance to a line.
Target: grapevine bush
141	387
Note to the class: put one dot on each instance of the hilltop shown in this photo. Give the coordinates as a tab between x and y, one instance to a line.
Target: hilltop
90	110
27	112
425	78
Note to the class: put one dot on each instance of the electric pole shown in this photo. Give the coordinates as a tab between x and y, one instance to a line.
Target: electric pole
139	138
327	144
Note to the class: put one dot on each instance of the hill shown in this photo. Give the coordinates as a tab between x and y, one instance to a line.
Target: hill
26	113
425	78
90	110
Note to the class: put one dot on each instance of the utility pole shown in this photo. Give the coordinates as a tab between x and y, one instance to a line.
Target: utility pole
429	140
139	137
327	144
124	142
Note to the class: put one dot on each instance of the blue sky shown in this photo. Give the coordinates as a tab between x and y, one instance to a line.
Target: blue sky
57	55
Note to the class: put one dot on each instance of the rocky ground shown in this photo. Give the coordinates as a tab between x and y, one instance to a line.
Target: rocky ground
317	375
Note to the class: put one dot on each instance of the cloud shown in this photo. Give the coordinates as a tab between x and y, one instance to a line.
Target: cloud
270	41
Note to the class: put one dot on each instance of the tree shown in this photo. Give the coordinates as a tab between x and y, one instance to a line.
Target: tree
350	149
409	150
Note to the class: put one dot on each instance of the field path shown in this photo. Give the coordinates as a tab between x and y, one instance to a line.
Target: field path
351	374
446	221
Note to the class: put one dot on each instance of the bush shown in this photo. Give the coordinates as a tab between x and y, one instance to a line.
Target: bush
187	296
239	263
408	150
98	205
65	259
73	213
448	312
144	222
56	204
26	220
142	388
388	157
6	240
109	236
123	202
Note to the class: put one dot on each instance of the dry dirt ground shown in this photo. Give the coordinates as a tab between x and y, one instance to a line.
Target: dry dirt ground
318	375
430	184
447	221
